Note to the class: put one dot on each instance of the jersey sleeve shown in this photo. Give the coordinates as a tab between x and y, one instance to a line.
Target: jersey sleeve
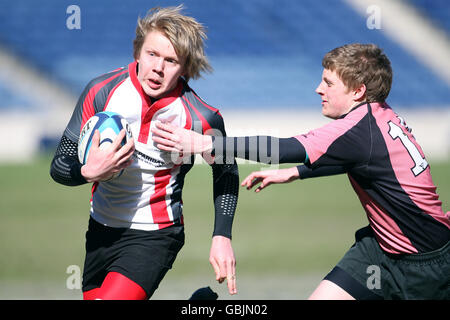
342	142
324	171
85	108
65	167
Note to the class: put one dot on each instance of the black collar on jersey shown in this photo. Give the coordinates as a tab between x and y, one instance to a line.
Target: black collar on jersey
355	107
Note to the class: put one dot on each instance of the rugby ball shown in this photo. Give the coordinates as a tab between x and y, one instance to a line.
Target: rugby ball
109	124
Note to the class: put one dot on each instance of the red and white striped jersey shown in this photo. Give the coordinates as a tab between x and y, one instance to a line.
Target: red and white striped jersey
147	196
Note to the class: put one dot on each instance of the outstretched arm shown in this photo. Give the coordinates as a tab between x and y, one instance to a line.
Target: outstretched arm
265	149
268	177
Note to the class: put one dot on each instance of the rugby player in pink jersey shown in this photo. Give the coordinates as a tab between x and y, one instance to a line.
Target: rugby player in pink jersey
136	226
408	235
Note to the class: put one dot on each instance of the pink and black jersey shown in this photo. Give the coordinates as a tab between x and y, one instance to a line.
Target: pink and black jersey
147	196
388	170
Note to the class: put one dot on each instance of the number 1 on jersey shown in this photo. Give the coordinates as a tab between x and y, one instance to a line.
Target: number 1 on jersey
420	163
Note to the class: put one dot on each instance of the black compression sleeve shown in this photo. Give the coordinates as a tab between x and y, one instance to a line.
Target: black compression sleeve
306	172
265	149
226	190
65	167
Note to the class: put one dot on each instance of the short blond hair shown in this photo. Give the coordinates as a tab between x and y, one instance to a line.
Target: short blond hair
185	33
357	64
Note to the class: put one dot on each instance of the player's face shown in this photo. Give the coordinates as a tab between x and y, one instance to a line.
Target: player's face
159	66
337	100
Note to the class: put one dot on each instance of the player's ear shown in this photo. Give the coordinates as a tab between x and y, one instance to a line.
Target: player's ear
359	93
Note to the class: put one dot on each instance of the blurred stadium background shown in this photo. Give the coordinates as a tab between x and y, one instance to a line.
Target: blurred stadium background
266	56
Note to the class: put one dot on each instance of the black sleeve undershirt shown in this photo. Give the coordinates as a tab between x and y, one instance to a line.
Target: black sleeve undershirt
265	149
270	150
305	172
65	167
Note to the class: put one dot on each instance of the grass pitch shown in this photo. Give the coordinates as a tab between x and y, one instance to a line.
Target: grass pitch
285	232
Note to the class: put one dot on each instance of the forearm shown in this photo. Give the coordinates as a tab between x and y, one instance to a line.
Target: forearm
265	149
65	167
226	190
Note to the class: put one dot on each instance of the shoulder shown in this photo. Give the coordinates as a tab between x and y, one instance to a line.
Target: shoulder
109	78
347	133
93	99
209	116
338	127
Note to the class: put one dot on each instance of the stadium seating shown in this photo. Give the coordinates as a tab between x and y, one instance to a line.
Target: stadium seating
13	100
438	11
266	53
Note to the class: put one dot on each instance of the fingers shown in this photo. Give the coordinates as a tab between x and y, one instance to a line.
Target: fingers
265	183
225	270
126	151
96	140
125	159
216	268
165	144
117	143
164	140
247	181
124	164
223	262
253	179
164	134
231	277
165	126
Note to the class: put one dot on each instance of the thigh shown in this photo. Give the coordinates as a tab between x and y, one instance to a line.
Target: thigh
328	290
147	261
99	255
358	272
116	287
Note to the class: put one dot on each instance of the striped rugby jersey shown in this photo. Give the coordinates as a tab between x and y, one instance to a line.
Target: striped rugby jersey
388	170
147	196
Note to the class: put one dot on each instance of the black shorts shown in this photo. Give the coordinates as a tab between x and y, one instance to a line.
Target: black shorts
367	272
142	256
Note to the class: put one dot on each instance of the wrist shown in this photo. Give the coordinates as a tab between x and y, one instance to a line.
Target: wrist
294	173
221	238
75	173
85	173
207	144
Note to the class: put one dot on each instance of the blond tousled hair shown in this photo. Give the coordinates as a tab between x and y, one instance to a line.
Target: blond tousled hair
185	33
358	64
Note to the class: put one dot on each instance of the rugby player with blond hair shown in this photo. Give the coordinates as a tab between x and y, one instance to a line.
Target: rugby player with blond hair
136	224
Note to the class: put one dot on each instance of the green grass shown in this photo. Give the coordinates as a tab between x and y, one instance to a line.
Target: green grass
297	228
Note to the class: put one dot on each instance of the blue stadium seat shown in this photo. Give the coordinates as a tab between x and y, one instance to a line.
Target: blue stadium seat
266	53
12	100
438	11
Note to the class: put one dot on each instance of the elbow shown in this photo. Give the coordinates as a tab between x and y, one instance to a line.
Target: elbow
60	173
55	174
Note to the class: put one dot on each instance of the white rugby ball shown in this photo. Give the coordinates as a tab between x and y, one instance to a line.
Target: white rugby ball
109	124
